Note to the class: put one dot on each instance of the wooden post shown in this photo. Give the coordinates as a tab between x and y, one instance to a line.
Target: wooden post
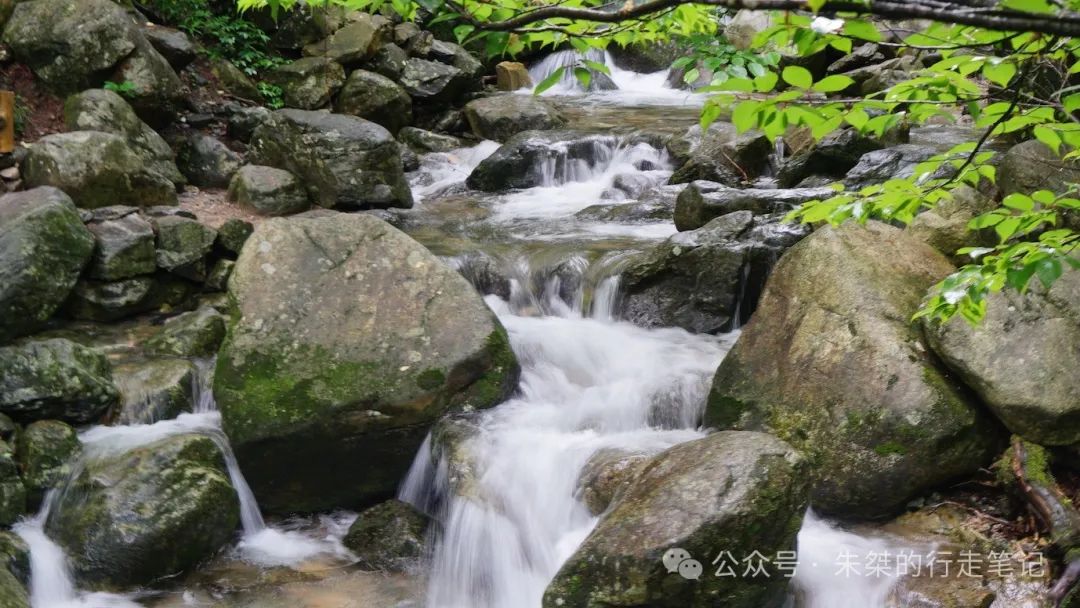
7	113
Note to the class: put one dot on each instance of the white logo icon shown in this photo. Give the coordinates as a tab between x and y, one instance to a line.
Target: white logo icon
679	560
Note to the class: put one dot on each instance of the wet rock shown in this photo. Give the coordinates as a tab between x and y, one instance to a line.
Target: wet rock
309	83
43	249
268	191
832	364
55	378
484	273
343	161
13	503
191	334
607	476
721	154
206	162
833	156
517	163
105	111
233	234
419	44
95	169
70	44
404	32
150	512
433	81
327	410
511	76
627	213
879	166
501	116
744	27
389	61
115	300
376	98
860	57
219	275
124	248
647	57
175	46
154	390
945	227
182	246
1031	166
1020	359
12	591
15	556
702	201
244	121
47	451
682	500
424	142
456	55
388	537
706	280
305	24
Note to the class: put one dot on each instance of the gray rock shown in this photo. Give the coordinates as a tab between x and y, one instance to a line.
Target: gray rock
517	163
55	378
219	275
433	81
115	300
354	43
606	477
388	537
43	249
376	98
833	364
156	91
682	499
833	156
703	201
150	512
233	80
343	161
327	410
1031	166
268	191
13	499
175	46
47	452
243	121
154	390
721	154
425	142
105	111
389	61
1021	359
233	234
309	83
502	116
124	248
207	162
182	245
191	334
96	169
896	162
456	55
945	227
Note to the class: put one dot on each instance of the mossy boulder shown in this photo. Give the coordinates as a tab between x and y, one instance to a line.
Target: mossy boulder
721	154
55	378
432	81
108	112
308	83
344	161
46	450
424	142
516	164
945	226
96	169
43	249
115	300
376	98
730	491
350	339
123	246
13	503
154	389
190	334
501	116
268	191
150	512
233	234
388	537
1021	359
833	363
156	91
182	245
13	592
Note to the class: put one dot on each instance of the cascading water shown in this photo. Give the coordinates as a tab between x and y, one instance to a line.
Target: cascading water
52	584
630	88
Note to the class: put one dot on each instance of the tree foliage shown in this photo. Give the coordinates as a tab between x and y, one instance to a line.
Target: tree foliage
1006	65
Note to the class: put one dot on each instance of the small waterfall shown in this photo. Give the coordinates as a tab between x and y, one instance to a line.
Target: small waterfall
624	87
567	61
441	172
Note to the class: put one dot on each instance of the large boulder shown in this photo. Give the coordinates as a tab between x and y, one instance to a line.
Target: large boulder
833	156
70	43
1021	359
105	111
174	45
1031	166
309	83
896	162
207	162
720	154
706	280
736	492
457	56
43	249
832	363
343	161
376	98
502	116
945	226
47	451
353	43
389	537
55	378
349	340
114	300
433	81
151	512
268	191
124	245
156	90
96	169
702	201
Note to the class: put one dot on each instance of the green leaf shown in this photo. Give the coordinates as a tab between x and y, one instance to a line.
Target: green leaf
833	84
550	81
745	115
596	66
1000	73
1048	270
691	76
798	77
584	76
1020	202
863	30
766	82
1006	228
